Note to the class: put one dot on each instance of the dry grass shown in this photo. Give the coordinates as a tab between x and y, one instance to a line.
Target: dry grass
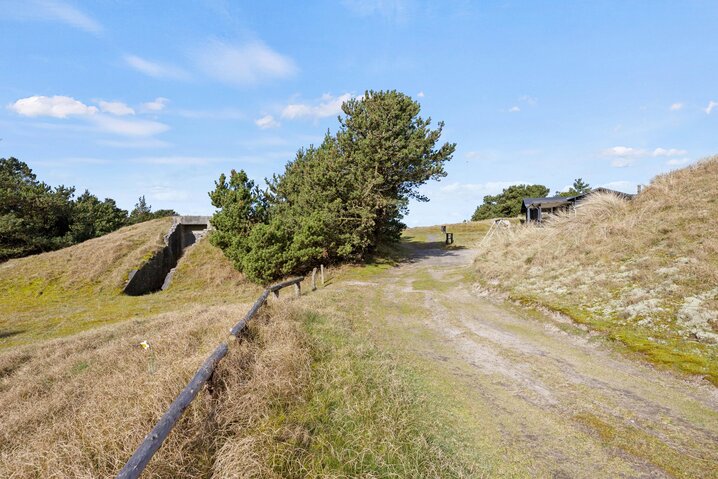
645	272
300	397
78	406
79	288
102	263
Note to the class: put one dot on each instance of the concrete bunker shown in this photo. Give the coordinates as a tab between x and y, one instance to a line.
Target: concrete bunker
156	273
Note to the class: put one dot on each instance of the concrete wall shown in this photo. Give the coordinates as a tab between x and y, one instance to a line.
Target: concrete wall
151	276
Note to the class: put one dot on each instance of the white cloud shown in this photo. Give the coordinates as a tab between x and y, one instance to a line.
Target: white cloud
668	152
53	106
622	162
220	114
242	65
676	106
625	156
514	109
165	193
49	10
397	10
69	15
155	69
620	185
328	106
267	121
484	188
196	160
116	108
472	155
158	104
148	143
711	105
528	100
64	107
135	127
677	161
420	94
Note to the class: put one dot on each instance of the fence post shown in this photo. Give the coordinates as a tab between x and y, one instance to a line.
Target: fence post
314	279
322	274
298	289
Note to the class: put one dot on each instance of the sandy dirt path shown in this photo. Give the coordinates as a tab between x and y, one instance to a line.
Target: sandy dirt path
546	399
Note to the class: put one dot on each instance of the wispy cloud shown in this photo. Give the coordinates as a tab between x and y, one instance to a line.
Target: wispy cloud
115	108
134	127
624	156
50	10
69	15
143	143
420	94
197	160
328	105
158	104
677	161
619	185
242	65
626	151
155	69
711	105
514	109
166	193
529	100
676	106
218	114
487	188
267	121
395	10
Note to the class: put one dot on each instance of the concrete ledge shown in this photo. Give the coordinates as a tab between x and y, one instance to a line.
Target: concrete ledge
156	273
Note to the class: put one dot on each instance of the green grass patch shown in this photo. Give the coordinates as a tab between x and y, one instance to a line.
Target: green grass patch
362	416
649	448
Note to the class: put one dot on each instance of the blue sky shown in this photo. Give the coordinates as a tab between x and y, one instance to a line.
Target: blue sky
158	98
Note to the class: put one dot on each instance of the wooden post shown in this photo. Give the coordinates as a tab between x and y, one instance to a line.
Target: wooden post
321	277
314	279
298	289
159	433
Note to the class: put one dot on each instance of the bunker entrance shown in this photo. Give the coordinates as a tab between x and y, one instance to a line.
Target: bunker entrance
156	274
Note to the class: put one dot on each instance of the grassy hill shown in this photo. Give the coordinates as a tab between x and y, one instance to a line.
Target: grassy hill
79	392
78	288
644	272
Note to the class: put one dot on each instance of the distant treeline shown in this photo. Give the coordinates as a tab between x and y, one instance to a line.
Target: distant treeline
334	202
35	217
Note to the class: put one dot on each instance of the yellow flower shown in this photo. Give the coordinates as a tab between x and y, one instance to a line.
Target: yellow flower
145	345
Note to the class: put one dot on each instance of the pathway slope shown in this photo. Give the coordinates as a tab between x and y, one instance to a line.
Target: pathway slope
545	398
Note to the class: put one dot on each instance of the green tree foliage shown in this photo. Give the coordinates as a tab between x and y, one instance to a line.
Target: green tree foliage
507	204
35	217
92	218
335	202
241	206
579	188
143	212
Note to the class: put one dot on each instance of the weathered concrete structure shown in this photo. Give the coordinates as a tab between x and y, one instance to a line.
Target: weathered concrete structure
156	273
